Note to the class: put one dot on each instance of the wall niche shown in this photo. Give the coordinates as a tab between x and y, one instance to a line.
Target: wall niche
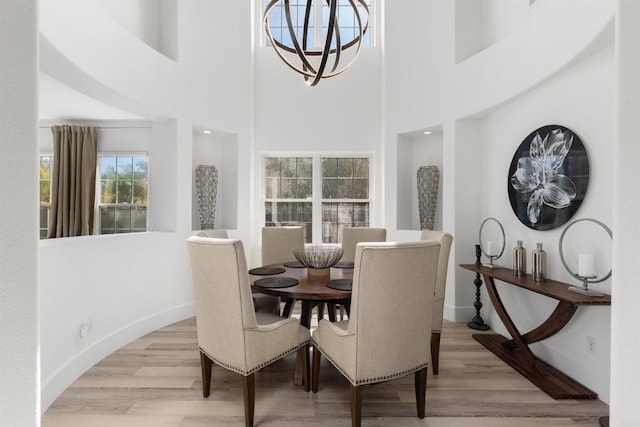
418	148
220	149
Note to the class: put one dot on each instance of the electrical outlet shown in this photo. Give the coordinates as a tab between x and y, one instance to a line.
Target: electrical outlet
83	330
592	345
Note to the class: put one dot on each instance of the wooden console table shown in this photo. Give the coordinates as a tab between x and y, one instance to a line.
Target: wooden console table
516	352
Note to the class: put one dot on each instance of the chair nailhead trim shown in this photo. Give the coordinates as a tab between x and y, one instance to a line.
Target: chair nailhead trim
257	368
375	379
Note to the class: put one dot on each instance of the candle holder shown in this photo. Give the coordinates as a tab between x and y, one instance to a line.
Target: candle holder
584	289
492	257
477	322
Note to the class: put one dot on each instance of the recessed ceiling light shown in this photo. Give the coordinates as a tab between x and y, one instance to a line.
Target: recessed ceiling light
427	132
206	131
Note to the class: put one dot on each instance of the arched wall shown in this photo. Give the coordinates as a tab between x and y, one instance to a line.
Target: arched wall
542	72
125	286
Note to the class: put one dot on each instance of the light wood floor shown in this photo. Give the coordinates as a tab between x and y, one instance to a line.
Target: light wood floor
155	382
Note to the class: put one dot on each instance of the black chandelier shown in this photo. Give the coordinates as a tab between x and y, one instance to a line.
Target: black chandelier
337	54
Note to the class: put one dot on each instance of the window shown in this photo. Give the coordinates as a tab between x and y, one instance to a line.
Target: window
318	18
323	194
122	206
345	195
288	190
46	164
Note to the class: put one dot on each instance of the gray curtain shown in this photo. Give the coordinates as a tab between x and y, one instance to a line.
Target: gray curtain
73	181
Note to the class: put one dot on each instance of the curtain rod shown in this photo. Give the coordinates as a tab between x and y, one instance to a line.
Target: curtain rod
102	127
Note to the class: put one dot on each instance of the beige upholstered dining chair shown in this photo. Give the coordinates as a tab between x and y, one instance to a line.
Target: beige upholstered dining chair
445	240
391	306
278	244
262	303
230	332
351	236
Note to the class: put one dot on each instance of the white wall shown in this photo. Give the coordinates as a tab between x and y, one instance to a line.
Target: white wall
480	23
486	105
114	137
121	286
153	22
126	286
341	115
19	354
591	115
625	374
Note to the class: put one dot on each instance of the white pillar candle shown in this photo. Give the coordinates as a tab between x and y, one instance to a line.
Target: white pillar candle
585	265
492	248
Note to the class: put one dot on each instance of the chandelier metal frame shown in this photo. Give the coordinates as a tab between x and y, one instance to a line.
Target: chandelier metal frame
313	73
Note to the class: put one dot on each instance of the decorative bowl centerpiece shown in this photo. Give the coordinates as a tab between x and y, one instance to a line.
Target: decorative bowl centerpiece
319	258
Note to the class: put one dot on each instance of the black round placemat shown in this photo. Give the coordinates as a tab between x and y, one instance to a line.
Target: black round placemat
344	265
294	264
340	284
276	282
266	271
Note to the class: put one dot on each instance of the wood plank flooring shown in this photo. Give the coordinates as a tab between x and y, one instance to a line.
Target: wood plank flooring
155	382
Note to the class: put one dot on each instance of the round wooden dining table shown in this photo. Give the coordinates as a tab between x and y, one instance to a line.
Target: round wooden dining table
311	291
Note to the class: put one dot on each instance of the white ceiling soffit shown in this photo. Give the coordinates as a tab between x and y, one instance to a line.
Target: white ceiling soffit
60	102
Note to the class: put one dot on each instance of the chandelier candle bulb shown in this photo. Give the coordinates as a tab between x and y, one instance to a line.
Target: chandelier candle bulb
585	265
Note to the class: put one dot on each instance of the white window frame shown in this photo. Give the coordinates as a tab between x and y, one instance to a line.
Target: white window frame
44	204
96	223
316	199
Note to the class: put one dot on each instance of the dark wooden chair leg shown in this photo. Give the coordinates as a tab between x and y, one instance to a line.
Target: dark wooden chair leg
206	364
315	377
303	353
331	309
288	307
356	405
249	394
435	351
421	391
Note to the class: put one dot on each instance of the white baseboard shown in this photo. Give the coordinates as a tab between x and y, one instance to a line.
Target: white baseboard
55	384
458	314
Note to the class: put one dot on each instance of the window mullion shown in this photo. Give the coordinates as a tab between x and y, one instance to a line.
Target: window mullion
317	23
317	200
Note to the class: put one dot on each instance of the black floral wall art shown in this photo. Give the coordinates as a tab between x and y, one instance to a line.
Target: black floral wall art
548	177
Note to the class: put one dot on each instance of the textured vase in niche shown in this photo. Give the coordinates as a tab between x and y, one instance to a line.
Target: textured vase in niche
207	191
428	178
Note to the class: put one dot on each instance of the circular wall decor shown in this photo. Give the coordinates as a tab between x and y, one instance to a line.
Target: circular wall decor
548	177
